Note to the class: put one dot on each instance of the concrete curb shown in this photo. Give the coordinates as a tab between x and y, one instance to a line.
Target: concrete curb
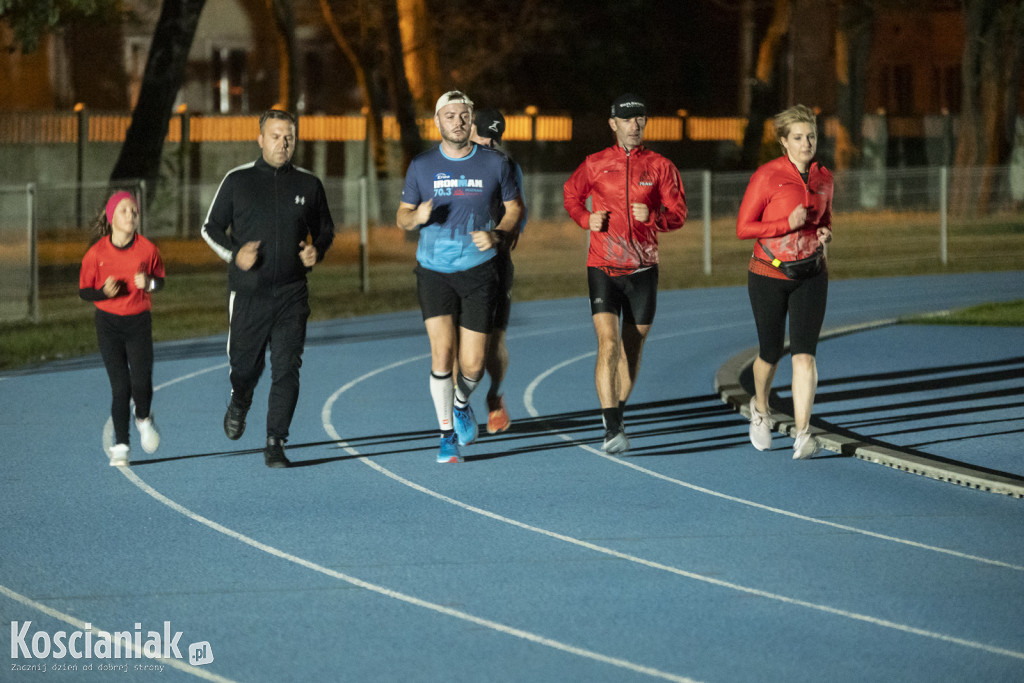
732	393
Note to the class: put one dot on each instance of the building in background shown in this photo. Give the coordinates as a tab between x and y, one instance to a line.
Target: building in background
232	65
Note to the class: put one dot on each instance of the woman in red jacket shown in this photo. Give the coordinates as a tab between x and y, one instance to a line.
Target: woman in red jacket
787	210
119	273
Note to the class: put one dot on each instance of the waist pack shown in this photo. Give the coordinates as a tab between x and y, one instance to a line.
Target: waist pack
801	269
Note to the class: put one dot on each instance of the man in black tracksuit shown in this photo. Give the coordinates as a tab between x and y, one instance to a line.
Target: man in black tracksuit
270	221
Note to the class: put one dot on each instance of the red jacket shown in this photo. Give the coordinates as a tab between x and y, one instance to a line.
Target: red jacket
614	179
775	189
104	260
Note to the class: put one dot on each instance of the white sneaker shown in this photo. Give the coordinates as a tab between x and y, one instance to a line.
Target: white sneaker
805	445
148	434
119	455
615	442
760	428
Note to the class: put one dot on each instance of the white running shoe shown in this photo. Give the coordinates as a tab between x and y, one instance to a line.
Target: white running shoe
615	442
805	445
148	434
119	455
760	427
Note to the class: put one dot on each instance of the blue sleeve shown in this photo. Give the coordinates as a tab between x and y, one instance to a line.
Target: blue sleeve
509	183
519	182
411	193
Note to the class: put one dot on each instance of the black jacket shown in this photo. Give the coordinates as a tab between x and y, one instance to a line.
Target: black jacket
279	207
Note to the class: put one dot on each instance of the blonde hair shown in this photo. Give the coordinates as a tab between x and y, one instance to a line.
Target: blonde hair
799	113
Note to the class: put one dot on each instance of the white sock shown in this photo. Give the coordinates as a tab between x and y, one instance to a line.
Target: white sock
443	393
464	386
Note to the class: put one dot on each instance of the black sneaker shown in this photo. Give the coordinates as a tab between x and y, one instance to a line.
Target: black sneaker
234	418
273	454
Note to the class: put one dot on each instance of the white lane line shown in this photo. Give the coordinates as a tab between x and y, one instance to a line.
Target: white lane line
191	375
196	671
531	408
387	592
381	590
332	432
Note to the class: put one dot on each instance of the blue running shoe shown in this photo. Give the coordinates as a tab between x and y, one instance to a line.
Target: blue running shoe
449	451
465	425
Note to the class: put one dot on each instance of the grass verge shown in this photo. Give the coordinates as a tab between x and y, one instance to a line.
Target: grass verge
549	261
1008	314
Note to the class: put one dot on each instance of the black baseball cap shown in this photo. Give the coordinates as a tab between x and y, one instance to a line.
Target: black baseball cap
489	123
628	106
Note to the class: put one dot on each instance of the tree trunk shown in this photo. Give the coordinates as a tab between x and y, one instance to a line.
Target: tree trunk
991	69
854	35
164	74
764	93
287	56
401	95
371	101
420	53
747	30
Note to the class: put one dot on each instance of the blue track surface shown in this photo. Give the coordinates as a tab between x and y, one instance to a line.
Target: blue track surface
540	558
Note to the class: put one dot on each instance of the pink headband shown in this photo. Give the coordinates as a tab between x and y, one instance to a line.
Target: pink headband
116	199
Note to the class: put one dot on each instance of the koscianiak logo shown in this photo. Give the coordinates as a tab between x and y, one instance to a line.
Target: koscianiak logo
39	650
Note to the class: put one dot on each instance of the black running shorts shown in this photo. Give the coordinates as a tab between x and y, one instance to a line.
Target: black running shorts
634	296
503	302
467	295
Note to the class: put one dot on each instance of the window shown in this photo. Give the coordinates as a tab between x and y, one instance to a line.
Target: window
229	80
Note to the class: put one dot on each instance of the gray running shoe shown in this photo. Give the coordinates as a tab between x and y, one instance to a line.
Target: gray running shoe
615	442
805	445
760	427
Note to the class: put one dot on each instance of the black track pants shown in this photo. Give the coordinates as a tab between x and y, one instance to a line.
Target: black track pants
277	321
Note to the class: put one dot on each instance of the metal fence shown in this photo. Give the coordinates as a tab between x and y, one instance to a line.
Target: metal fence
911	207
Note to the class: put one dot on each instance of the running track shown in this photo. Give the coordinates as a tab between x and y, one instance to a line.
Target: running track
540	558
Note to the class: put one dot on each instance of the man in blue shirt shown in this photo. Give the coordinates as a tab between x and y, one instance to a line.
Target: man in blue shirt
448	197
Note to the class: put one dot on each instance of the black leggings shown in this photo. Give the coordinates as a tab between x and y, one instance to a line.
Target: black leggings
804	300
126	344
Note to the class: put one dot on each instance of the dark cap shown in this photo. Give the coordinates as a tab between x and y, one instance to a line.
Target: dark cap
628	106
489	123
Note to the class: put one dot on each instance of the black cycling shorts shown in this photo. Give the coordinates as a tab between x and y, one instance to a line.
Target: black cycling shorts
803	300
634	296
466	295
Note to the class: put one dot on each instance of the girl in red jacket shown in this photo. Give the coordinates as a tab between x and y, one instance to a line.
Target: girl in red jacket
119	273
787	209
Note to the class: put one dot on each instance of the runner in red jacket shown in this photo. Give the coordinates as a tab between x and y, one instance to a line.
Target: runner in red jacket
119	273
635	194
787	208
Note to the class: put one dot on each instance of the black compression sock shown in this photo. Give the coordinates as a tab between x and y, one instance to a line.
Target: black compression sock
612	421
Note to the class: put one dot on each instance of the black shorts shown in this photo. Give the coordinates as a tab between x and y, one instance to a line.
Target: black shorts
803	300
466	295
635	296
503	302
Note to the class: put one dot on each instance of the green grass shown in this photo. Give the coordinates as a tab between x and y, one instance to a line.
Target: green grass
1008	314
549	264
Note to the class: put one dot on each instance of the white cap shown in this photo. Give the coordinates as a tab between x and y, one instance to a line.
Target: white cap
453	97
